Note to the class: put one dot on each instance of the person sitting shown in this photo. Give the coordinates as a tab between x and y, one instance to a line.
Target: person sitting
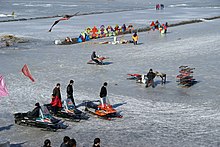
68	40
150	78
157	25
130	28
123	28
152	25
35	112
94	58
135	38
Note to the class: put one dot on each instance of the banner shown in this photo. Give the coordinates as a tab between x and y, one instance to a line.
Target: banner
3	88
27	73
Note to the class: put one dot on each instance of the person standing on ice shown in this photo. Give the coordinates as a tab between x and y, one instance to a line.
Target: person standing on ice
103	94
55	103
56	91
56	100
150	78
69	91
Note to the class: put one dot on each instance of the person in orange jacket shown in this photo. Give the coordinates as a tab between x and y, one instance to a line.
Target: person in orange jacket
94	32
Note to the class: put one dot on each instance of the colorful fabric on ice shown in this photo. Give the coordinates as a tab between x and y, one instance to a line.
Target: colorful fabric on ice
66	17
27	73
3	88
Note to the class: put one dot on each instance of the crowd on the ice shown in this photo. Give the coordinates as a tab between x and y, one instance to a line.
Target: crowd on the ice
161	27
102	31
70	142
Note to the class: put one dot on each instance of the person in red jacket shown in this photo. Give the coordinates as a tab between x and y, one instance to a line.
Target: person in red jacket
94	32
55	103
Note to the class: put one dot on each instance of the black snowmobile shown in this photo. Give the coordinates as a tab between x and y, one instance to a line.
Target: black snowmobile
45	120
69	112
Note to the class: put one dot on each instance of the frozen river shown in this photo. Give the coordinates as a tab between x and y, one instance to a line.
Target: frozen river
164	116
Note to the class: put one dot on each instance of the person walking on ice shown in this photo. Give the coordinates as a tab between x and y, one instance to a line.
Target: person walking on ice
69	91
103	94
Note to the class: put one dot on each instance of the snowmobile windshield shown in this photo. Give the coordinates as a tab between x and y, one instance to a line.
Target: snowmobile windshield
69	104
45	112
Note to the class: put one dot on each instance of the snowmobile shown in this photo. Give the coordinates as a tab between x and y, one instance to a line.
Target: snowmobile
45	120
106	111
69	112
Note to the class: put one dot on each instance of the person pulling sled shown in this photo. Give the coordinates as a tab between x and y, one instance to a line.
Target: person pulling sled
150	78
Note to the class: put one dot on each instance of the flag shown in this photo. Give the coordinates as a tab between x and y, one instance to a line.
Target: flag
27	73
3	88
66	17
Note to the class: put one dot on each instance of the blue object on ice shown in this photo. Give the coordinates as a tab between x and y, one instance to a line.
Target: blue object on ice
87	38
79	40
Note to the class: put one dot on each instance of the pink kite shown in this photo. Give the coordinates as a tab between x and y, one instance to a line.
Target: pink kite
27	73
3	88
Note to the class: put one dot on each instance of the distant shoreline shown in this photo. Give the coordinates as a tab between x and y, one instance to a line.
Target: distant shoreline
184	22
80	14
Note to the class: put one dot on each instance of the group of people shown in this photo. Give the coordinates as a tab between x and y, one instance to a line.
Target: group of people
156	25
56	99
159	6
56	102
67	142
102	31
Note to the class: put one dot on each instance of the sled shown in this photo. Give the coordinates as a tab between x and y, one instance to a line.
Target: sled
69	112
45	120
105	112
101	59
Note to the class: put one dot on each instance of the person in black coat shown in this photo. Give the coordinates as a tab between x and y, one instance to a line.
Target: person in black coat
95	58
35	113
66	141
56	91
69	91
103	94
150	78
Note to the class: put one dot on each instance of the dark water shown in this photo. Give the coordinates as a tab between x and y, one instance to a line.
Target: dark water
43	8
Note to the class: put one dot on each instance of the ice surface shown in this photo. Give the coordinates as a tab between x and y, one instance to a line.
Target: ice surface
164	116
